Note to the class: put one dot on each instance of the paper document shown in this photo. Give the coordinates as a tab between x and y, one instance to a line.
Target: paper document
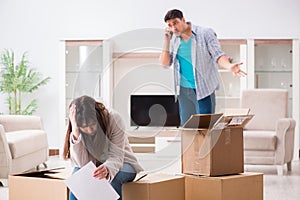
85	187
236	121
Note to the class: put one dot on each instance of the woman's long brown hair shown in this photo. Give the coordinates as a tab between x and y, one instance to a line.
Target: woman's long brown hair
84	104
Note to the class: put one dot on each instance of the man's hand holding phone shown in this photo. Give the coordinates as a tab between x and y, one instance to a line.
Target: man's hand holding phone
164	58
168	34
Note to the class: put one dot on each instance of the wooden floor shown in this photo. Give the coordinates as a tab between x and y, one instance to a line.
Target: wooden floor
276	187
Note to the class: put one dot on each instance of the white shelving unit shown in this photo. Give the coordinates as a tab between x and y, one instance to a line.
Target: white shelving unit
83	69
228	95
274	65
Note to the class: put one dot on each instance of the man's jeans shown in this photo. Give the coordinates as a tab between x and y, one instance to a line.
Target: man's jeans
189	105
126	174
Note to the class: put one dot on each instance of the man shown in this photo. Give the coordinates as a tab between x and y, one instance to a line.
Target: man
195	53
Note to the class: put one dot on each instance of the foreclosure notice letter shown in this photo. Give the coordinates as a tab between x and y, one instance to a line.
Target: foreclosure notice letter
85	187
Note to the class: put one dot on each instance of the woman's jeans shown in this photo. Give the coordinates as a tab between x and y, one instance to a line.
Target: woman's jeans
189	105
126	174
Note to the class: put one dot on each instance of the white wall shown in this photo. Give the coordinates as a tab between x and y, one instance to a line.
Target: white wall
38	26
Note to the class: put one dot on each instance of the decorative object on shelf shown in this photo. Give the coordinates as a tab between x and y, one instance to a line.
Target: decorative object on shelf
19	79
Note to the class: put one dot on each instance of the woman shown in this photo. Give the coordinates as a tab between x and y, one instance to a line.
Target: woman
95	134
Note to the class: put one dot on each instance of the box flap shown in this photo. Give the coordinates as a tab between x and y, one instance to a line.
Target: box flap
41	171
140	176
235	120
57	173
155	178
60	174
203	121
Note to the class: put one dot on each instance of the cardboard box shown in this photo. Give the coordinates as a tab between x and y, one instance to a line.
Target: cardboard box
246	186
212	146
37	185
155	187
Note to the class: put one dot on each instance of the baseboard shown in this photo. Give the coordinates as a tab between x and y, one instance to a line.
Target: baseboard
53	152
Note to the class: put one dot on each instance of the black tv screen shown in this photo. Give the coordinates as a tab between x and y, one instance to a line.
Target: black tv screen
154	110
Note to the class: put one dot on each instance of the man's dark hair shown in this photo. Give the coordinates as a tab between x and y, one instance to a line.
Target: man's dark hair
172	14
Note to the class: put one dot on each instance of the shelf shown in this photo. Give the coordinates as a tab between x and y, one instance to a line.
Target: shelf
70	43
136	55
154	132
78	65
83	71
273	42
273	71
228	97
232	41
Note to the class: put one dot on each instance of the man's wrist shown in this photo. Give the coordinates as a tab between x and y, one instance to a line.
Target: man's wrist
166	48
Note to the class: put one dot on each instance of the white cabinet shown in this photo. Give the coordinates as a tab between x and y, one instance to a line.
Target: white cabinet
269	63
228	95
273	65
84	67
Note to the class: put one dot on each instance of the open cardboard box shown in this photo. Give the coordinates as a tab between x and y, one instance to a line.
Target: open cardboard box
36	185
212	144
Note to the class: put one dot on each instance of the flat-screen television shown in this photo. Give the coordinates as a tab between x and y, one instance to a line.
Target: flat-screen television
154	110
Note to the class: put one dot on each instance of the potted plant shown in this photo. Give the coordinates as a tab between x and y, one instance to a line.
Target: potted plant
19	79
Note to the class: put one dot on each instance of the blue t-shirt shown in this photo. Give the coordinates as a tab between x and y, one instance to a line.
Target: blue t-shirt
184	56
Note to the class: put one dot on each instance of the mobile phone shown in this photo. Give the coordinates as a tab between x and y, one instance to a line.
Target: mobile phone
171	33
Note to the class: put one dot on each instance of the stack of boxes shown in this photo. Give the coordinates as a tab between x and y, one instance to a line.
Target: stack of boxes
212	165
213	160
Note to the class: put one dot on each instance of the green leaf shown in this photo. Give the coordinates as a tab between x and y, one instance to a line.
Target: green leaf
30	108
